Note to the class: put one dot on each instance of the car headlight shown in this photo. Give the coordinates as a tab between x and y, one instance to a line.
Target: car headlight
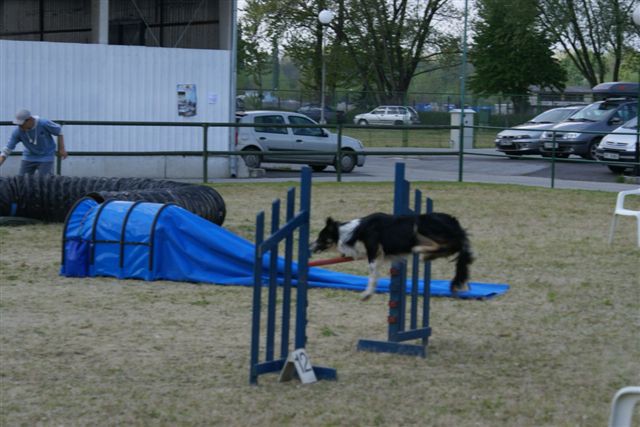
547	134
571	135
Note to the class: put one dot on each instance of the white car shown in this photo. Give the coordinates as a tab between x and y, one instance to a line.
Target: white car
388	115
271	139
619	146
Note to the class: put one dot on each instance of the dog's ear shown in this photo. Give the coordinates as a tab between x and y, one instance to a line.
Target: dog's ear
329	221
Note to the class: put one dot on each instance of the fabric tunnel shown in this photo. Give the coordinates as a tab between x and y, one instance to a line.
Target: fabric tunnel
153	241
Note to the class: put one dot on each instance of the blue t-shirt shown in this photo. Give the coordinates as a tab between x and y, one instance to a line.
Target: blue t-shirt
38	142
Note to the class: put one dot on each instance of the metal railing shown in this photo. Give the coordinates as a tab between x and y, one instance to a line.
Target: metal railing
339	129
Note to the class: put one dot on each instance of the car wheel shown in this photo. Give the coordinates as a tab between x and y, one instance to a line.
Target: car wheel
616	169
252	158
591	153
363	122
348	163
318	168
398	123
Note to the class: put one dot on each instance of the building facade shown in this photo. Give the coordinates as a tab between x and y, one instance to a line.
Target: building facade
162	61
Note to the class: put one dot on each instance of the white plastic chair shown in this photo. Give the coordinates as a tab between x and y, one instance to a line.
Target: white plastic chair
620	210
622	406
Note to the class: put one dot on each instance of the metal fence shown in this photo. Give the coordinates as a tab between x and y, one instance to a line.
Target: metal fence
505	110
339	129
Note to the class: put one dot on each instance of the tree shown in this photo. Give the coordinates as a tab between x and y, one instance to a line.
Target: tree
510	53
389	40
590	32
253	59
371	44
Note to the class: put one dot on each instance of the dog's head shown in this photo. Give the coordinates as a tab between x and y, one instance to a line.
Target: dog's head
328	236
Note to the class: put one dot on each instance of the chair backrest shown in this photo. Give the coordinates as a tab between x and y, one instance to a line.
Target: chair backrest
622	406
622	195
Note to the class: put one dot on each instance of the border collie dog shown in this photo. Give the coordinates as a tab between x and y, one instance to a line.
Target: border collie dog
381	237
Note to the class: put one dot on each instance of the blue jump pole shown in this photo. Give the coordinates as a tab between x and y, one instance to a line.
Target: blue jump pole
397	330
299	223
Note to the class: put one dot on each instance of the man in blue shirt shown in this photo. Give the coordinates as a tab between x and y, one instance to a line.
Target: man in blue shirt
36	134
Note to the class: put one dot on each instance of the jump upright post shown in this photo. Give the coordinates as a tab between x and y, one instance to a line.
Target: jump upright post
418	326
299	222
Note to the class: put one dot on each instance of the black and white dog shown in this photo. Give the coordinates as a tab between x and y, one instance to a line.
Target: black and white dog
380	237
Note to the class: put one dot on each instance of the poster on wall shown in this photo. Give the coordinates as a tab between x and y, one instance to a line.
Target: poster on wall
187	100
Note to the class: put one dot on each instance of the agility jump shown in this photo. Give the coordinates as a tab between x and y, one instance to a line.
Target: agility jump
398	332
269	247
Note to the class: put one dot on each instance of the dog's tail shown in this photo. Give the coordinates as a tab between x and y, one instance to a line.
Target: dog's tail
464	259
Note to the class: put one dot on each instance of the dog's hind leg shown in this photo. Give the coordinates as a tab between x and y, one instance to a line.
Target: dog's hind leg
425	246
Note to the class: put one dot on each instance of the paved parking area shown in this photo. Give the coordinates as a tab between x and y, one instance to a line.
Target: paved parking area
478	167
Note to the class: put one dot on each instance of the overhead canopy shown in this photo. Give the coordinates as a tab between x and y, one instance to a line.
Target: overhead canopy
152	241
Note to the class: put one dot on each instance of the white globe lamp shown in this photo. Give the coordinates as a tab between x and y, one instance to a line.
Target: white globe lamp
325	17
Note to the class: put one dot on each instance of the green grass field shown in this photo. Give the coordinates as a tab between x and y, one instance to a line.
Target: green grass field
550	352
416	138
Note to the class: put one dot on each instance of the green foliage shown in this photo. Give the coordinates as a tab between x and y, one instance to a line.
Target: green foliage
596	35
510	53
371	45
253	59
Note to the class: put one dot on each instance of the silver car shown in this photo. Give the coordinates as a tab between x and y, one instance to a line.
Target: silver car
388	115
525	138
269	139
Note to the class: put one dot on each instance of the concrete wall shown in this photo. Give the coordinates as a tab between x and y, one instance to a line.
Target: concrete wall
68	81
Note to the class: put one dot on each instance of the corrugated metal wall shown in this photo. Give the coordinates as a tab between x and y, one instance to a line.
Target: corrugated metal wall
69	81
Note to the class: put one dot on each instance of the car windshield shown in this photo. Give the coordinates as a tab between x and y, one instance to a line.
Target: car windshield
553	116
631	124
594	112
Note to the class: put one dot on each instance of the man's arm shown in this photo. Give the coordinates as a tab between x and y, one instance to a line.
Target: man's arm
11	145
62	152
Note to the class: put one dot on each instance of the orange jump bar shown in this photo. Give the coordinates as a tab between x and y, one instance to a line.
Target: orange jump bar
330	261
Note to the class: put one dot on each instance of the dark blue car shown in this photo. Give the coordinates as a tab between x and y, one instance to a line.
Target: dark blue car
581	133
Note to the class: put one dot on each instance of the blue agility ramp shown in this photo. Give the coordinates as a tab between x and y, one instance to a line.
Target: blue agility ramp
151	241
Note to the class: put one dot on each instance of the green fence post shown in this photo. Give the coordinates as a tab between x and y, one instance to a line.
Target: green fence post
405	132
339	156
58	159
205	153
553	160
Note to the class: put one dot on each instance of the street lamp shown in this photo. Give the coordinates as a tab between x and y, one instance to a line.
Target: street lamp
463	76
325	17
636	20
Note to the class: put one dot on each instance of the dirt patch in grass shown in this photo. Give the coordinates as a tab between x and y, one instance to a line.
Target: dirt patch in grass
552	351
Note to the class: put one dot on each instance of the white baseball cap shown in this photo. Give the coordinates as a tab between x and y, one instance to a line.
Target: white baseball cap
22	116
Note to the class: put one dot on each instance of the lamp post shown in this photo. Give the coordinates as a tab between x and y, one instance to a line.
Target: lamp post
325	17
463	76
636	169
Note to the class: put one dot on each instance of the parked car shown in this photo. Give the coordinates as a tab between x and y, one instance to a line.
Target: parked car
619	146
388	115
264	142
314	112
525	138
581	133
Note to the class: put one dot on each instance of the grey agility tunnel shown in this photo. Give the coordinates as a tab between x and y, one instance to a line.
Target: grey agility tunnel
50	198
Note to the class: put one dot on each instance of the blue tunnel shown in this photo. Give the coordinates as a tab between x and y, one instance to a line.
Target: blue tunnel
153	241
